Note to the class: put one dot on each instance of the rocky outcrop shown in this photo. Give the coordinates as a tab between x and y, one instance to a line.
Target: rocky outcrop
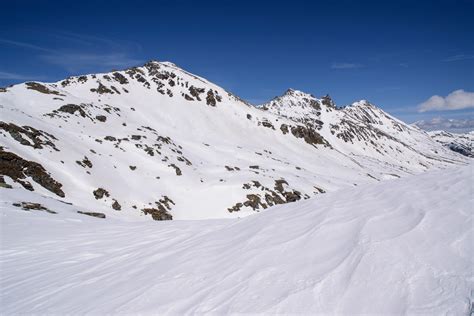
19	169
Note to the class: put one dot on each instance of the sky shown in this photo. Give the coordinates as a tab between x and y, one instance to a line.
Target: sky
414	59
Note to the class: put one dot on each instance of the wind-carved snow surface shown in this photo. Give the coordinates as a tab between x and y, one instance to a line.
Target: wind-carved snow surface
402	246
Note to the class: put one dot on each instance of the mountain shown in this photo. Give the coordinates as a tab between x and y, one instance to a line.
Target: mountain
450	125
157	142
460	143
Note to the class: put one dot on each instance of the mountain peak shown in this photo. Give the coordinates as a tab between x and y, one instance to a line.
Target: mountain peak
296	93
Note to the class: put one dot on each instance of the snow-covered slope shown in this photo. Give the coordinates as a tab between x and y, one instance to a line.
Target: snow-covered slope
460	143
404	247
159	142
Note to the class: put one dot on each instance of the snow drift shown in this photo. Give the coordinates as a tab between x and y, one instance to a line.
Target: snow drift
400	246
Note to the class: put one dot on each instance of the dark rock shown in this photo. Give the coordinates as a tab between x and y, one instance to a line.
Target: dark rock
85	162
176	168
110	138
279	185
101	89
235	208
36	138
17	168
268	124
101	118
254	201
100	193
309	135
116	206
41	88
195	92
30	206
327	101
120	78
210	98
94	214
158	214
71	109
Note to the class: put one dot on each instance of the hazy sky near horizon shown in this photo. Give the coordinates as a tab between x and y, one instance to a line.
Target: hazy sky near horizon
404	56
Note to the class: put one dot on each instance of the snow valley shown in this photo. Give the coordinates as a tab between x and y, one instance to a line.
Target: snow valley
152	190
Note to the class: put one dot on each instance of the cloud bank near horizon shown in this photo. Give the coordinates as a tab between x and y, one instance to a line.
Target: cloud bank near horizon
456	100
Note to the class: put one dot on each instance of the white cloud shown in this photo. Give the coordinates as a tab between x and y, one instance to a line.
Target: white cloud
346	66
456	100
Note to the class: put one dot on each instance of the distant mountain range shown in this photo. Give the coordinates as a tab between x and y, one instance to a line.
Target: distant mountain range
450	125
157	142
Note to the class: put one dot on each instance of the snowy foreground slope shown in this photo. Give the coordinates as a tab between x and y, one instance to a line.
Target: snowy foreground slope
395	247
156	142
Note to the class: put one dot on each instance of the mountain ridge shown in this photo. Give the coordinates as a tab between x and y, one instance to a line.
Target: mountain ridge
158	142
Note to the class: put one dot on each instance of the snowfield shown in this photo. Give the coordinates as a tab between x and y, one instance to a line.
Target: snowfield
402	246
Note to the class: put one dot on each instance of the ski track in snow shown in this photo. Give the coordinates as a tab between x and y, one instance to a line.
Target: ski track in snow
398	247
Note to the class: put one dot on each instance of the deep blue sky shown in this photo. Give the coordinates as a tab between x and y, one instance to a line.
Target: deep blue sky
396	54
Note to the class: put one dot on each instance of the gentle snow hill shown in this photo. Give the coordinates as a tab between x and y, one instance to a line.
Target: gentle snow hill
403	246
158	142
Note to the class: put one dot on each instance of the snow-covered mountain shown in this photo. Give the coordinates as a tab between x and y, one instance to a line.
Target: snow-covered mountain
451	125
159	142
460	143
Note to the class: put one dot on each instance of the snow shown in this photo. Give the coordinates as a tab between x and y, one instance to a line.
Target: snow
401	246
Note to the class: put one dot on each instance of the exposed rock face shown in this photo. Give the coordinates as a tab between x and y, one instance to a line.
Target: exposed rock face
18	169
176	168
101	118
327	101
31	206
100	193
102	89
120	78
29	136
195	92
41	88
94	214
116	206
71	109
158	214
268	197
210	98
309	135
